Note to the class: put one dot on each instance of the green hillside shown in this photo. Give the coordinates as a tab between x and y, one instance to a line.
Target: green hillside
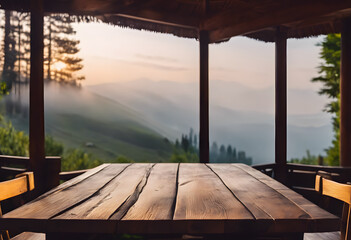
109	140
102	127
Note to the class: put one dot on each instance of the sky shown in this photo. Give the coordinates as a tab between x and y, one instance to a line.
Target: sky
114	54
132	58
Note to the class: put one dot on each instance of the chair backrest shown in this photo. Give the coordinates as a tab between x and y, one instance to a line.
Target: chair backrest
23	182
341	192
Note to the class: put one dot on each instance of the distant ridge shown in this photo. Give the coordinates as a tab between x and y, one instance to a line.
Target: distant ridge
239	115
99	125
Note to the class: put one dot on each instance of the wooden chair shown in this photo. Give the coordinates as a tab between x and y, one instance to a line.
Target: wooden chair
338	191
23	182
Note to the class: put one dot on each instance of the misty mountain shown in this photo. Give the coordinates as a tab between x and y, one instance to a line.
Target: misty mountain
239	115
81	119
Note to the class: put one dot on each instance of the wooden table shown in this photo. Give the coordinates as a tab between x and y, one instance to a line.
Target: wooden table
171	199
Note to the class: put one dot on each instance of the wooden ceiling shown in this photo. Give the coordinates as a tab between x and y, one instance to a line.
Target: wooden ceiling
223	19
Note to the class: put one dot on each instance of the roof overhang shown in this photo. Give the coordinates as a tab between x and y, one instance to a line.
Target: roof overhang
223	19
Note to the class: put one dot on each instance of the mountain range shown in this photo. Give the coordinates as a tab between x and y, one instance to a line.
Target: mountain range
239	115
137	119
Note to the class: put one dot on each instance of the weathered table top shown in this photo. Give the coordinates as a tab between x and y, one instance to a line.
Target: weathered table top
169	198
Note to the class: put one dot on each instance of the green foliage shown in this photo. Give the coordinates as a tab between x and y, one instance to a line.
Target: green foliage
184	157
16	143
76	159
52	147
3	88
13	142
329	72
122	159
186	150
308	159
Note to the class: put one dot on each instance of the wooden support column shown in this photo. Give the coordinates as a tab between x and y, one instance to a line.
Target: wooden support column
345	94
280	105
36	97
204	98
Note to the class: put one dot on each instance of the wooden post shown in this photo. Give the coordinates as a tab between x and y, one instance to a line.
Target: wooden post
36	97
280	105
345	94
204	98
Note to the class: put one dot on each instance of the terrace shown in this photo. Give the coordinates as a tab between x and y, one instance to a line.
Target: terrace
208	21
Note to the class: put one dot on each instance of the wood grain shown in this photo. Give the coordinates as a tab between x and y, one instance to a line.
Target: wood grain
203	196
262	177
22	183
194	199
74	181
254	195
153	211
322	236
320	219
59	201
29	236
157	199
334	189
107	200
258	196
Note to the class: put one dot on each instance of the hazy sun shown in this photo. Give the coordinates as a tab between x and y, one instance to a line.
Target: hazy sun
59	66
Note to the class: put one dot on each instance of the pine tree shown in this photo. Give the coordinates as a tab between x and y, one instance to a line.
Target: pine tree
222	153
229	153
62	63
329	72
234	154
214	152
60	54
191	133
8	74
195	141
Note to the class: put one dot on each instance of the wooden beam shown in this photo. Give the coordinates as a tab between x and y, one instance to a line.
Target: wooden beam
36	97
151	11
345	94
152	17
280	105
230	23
204	98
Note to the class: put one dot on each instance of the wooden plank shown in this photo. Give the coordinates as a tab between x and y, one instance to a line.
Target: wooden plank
301	178
321	220
316	168
7	172
57	202
75	181
29	236
71	174
254	194
155	203
111	197
157	199
262	177
13	160
334	189
21	184
203	196
322	236
264	202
